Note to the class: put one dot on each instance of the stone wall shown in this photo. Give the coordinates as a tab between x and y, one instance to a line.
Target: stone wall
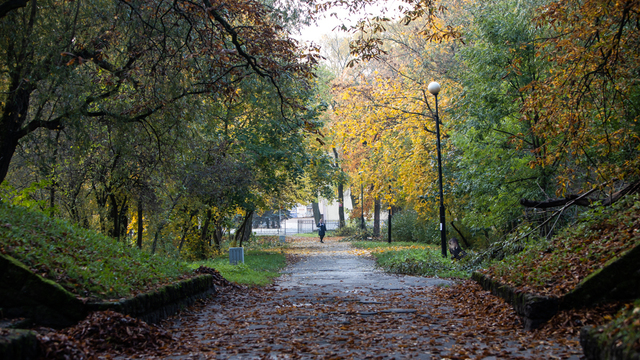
28	295
25	294
161	303
18	345
597	346
533	310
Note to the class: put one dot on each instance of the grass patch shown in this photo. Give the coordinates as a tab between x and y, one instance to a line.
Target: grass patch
260	267
413	259
311	234
84	262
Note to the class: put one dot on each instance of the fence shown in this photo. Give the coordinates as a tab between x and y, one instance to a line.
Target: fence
293	226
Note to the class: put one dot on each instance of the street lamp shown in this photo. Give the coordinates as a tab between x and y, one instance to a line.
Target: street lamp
434	89
362	205
389	219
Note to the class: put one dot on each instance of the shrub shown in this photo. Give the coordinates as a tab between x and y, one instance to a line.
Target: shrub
414	259
407	226
347	230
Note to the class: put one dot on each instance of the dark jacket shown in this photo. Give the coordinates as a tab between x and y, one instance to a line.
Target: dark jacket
321	229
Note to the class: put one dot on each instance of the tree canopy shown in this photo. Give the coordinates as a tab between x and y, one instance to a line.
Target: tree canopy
153	116
538	101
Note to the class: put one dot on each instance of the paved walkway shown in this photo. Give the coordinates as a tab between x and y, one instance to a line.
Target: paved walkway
334	304
334	268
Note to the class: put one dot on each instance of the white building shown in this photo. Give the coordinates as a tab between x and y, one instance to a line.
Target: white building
330	209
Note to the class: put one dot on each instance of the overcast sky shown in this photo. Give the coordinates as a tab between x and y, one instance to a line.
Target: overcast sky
327	24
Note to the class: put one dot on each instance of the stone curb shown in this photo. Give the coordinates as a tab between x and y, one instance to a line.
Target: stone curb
156	305
28	295
534	310
604	284
19	345
151	307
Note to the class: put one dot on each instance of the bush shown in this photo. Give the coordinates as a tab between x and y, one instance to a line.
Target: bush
347	230
422	262
410	258
407	226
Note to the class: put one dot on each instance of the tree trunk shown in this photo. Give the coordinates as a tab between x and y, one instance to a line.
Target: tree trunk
187	227
341	222
376	217
140	224
155	237
118	216
52	188
123	221
316	212
155	241
582	201
205	232
244	231
13	117
341	205
217	236
353	202
464	239
247	230
113	216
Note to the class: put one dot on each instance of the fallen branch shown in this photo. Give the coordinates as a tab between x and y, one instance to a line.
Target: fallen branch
580	200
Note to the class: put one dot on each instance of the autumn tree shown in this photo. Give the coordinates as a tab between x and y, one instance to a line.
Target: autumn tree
585	110
129	62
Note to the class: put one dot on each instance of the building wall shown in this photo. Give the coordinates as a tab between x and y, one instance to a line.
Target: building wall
330	209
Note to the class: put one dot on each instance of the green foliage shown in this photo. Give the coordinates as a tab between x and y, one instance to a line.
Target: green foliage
25	197
382	244
492	146
260	267
84	262
349	229
408	226
197	137
623	332
427	262
407	258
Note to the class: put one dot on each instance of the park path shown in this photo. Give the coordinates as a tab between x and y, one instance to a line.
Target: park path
334	304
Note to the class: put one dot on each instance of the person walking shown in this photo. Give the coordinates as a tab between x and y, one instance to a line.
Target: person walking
322	228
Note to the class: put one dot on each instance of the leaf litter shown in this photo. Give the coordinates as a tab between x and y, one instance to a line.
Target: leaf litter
462	321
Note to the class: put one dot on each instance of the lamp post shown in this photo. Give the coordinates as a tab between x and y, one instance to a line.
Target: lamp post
389	219
434	89
362	205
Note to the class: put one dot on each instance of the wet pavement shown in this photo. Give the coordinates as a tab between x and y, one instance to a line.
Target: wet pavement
334	304
334	267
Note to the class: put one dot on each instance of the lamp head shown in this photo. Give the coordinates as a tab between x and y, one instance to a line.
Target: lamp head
434	88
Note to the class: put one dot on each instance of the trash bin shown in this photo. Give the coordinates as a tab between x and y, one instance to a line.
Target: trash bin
236	255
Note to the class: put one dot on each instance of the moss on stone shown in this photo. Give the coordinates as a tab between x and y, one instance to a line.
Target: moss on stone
617	280
18	345
27	294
